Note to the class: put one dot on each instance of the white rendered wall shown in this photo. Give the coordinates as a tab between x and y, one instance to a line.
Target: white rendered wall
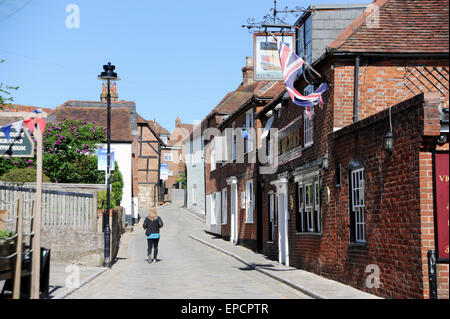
122	155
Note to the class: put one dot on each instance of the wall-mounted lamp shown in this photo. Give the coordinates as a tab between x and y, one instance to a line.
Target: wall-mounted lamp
323	162
389	137
389	142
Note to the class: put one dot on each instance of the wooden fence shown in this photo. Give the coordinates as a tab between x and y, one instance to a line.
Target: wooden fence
62	210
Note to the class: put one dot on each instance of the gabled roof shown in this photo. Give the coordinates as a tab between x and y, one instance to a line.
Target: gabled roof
151	126
401	26
158	128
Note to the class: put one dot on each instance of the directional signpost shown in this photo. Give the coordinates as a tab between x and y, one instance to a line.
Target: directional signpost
19	144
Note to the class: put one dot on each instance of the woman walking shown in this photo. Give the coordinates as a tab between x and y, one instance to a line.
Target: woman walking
152	224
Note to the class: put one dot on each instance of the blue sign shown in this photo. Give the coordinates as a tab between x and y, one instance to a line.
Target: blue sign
164	171
103	159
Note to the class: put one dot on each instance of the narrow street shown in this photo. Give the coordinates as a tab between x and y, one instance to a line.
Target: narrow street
187	269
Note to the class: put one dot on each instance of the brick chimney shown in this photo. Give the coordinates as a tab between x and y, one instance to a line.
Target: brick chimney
177	122
248	71
113	92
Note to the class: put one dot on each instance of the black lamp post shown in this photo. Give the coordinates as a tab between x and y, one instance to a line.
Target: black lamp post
108	75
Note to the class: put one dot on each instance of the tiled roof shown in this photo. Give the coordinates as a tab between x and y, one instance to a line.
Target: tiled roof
405	26
158	128
24	108
20	108
188	127
120	119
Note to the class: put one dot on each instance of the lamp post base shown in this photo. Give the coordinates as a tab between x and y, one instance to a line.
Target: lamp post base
107	260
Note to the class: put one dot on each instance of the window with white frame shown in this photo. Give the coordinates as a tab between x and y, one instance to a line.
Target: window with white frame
249	126
317	206
234	141
213	208
357	217
271	228
213	155
308	219
224	206
164	138
250	200
308	120
309	207
168	157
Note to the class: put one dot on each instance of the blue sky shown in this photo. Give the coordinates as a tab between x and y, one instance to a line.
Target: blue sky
174	58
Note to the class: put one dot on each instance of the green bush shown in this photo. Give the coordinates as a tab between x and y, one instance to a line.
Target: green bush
116	190
22	175
4	235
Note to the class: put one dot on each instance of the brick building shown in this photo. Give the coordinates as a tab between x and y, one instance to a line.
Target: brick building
146	163
231	170
366	207
173	153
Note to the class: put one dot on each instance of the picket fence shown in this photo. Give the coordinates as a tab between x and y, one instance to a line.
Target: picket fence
60	210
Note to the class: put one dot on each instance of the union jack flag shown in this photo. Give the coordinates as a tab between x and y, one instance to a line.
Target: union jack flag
291	65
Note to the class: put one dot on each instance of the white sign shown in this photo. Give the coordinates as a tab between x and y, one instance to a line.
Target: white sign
103	159
266	57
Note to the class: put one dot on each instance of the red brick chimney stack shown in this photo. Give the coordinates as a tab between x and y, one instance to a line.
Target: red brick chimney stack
248	71
113	92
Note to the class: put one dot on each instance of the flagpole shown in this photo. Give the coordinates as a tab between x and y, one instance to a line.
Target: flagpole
304	62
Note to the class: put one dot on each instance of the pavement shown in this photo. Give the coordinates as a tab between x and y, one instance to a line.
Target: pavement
306	282
67	278
186	269
186	264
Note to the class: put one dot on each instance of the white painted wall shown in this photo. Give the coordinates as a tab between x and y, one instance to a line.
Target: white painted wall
122	154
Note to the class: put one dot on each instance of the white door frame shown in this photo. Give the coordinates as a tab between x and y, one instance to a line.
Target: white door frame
283	214
234	211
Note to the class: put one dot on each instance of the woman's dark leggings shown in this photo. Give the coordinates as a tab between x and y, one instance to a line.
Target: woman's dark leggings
152	243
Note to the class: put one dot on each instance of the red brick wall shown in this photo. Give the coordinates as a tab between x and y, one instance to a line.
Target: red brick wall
381	85
399	204
426	202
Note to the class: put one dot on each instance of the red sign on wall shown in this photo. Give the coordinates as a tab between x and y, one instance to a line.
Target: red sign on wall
441	179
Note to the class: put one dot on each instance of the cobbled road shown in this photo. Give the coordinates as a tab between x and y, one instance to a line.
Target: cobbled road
186	269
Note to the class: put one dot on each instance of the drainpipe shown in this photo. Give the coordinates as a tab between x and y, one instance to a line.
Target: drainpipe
355	90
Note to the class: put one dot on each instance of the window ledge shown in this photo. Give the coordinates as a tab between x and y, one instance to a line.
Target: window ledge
248	222
270	242
362	245
306	233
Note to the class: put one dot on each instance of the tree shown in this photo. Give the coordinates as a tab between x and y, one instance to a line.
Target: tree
182	178
70	152
5	94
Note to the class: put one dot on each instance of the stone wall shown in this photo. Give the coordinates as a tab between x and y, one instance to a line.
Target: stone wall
85	248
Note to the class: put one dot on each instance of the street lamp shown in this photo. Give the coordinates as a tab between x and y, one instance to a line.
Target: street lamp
108	75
